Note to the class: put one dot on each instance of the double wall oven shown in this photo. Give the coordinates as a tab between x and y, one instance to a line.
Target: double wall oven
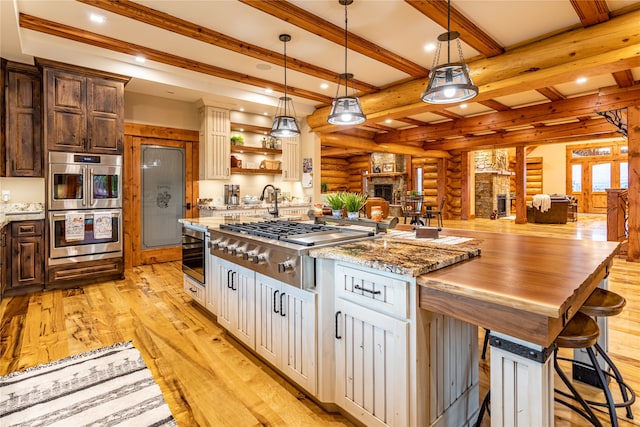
84	199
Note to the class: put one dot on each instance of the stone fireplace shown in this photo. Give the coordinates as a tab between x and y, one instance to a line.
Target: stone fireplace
492	187
388	178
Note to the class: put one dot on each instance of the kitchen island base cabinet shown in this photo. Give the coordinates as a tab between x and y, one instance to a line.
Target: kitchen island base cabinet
236	309
195	290
286	329
371	365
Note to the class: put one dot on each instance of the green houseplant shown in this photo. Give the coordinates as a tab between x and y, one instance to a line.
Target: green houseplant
237	140
354	202
336	202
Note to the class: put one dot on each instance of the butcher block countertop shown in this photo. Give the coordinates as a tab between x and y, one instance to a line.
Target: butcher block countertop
524	286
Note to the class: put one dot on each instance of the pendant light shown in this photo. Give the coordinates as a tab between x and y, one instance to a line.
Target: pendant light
450	82
285	125
346	110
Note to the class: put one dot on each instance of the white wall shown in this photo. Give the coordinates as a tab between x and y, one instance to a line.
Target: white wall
24	190
153	110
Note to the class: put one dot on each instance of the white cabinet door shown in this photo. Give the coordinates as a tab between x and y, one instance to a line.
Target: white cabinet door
286	329
372	381
236	310
215	145
291	163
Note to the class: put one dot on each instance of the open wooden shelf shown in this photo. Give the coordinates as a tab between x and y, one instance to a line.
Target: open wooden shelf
246	171
249	128
254	150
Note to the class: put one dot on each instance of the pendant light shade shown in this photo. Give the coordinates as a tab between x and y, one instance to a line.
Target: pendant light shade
284	124
346	110
450	82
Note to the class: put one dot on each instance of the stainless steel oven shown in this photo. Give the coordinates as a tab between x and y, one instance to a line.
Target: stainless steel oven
193	253
84	235
84	181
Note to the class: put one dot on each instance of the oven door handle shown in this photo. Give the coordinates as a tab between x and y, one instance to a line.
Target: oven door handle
85	185
90	187
86	215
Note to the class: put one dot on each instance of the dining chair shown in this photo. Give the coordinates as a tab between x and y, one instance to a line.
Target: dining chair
430	213
412	208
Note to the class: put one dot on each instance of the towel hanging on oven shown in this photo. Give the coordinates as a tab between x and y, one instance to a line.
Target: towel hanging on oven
102	225
73	226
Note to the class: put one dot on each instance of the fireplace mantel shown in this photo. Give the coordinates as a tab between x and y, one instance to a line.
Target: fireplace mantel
384	175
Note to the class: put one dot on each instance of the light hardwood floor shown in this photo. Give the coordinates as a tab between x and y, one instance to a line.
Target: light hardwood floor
206	377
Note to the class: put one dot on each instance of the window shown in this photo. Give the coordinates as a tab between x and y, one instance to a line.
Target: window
576	178
600	177
590	152
624	175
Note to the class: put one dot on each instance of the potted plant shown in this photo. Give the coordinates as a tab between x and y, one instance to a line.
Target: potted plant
237	140
336	202
354	202
324	187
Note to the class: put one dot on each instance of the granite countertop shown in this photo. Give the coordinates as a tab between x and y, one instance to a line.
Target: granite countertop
21	212
402	253
213	207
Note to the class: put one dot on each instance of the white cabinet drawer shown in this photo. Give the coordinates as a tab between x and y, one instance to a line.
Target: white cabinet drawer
195	290
380	292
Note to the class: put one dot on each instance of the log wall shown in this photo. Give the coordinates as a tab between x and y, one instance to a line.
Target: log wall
453	205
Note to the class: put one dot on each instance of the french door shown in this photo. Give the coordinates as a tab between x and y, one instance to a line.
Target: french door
592	170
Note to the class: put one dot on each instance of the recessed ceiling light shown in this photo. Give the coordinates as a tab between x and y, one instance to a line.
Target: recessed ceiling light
430	47
241	109
268	90
141	59
98	19
388	121
581	80
241	129
265	113
324	86
463	105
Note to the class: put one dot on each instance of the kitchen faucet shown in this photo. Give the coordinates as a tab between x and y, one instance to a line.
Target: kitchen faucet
273	212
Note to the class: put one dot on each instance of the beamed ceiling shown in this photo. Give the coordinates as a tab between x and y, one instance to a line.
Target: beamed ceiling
525	56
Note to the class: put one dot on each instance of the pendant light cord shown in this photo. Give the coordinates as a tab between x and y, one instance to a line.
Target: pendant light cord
449	32
346	33
285	77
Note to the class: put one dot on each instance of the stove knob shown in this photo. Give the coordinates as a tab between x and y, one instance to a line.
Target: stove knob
219	245
240	251
250	254
230	248
285	265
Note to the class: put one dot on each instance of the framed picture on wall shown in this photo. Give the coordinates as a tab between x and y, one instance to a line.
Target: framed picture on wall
387	167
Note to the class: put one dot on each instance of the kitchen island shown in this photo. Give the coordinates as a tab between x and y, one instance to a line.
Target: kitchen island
522	288
388	331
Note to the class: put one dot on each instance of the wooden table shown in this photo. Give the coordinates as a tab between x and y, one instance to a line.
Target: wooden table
525	289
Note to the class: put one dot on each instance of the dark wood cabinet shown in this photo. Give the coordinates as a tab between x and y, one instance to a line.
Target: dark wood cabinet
84	111
27	254
22	148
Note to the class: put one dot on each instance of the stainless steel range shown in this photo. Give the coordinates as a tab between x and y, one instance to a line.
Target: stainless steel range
278	249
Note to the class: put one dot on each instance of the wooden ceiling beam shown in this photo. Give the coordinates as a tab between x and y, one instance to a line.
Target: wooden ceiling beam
539	136
301	18
168	22
352	142
551	93
624	78
591	12
571	107
436	10
56	29
341	152
495	105
608	47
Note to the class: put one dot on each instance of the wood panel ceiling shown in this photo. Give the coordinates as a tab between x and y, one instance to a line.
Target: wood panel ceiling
525	57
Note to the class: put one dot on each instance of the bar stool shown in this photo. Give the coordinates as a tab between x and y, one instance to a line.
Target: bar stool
604	303
580	332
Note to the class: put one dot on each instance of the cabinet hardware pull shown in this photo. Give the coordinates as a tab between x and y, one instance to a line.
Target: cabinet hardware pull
338	313
233	274
275	307
229	283
192	290
282	309
360	288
